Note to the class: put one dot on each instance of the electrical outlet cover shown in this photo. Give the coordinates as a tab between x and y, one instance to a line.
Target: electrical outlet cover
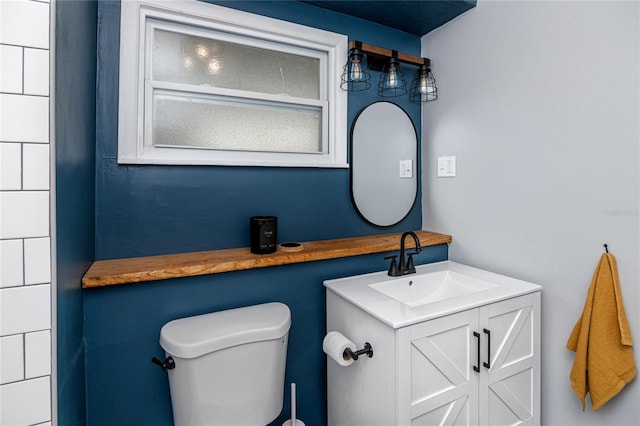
406	169
447	166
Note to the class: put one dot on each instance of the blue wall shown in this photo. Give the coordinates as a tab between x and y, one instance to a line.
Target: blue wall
146	210
123	325
75	100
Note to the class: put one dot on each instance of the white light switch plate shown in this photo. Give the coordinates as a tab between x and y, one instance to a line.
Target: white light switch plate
406	169
447	166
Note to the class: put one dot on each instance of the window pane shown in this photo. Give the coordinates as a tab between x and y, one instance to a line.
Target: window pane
213	122
182	58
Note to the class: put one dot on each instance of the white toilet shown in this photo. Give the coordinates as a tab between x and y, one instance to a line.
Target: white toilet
229	365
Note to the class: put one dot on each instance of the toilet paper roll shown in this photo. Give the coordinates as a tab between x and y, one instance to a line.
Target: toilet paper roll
334	344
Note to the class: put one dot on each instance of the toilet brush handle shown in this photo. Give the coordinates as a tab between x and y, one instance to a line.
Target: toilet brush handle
293	404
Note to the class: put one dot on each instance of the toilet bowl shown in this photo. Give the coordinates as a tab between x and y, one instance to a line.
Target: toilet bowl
229	365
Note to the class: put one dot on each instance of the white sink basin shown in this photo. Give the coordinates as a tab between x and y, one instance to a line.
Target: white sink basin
435	290
419	289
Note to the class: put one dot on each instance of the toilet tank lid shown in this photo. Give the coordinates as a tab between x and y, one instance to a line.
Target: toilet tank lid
195	336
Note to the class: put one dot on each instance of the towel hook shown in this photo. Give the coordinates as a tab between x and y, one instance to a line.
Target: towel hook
606	248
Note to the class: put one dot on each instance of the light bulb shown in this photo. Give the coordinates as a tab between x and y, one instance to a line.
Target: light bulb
423	87
356	70
392	80
188	62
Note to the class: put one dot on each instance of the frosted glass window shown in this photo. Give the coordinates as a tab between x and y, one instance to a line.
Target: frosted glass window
182	58
203	84
218	123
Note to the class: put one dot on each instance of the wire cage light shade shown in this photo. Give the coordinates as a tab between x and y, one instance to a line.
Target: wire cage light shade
355	74
392	82
423	86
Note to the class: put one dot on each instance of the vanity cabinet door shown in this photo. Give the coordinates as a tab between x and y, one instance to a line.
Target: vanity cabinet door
436	383
444	379
509	386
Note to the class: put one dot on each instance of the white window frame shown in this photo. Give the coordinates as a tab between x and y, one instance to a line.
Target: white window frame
194	17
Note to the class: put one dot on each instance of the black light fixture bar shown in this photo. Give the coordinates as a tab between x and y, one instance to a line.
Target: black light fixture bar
379	56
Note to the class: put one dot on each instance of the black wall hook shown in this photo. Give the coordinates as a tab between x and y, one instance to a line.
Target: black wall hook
606	248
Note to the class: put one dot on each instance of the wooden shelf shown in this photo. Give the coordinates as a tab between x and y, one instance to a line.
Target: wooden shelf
154	268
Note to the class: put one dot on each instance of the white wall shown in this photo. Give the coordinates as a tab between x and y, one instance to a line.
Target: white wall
25	236
539	101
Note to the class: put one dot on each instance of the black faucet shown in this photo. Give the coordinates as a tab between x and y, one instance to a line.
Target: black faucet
404	267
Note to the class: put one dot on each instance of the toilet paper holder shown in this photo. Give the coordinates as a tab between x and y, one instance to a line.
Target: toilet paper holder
349	354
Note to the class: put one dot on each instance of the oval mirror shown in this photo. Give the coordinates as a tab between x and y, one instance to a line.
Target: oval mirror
384	168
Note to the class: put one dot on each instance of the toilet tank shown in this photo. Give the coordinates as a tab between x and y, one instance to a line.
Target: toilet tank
229	365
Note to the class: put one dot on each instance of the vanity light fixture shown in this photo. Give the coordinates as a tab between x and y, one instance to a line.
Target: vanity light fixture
362	57
392	82
355	74
423	87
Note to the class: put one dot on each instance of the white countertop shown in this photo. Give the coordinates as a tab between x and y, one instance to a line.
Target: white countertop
357	290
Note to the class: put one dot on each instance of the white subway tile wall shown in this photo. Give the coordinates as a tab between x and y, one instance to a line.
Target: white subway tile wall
26	402
24	309
11	76
24	214
12	361
35	167
37	350
11	263
36	72
37	261
25	230
10	176
25	23
24	118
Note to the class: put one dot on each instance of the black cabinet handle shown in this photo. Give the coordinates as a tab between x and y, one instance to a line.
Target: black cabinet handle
487	364
476	367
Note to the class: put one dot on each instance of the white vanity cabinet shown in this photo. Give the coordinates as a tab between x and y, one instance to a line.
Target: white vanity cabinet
476	367
423	373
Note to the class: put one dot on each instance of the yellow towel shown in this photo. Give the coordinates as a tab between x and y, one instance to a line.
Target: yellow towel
601	338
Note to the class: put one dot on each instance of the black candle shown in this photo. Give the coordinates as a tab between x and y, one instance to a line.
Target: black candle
264	234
